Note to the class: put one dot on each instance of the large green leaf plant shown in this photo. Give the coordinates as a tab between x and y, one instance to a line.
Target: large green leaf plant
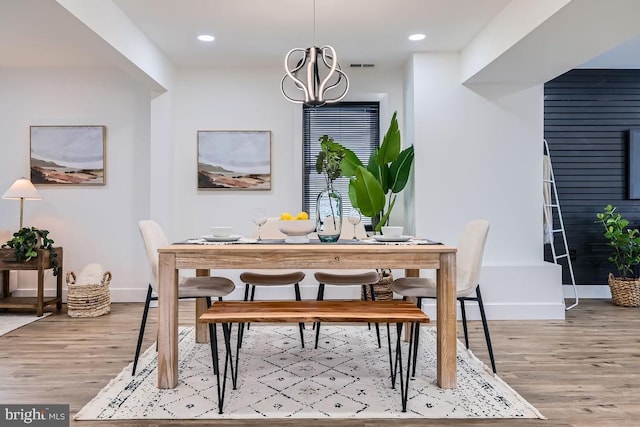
373	187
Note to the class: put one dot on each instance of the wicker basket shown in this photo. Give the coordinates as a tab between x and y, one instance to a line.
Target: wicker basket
381	289
88	299
625	292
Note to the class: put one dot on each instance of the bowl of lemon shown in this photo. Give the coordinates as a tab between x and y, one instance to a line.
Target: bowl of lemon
296	227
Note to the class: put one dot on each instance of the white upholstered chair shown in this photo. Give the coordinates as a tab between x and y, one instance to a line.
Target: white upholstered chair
188	287
468	262
272	277
350	277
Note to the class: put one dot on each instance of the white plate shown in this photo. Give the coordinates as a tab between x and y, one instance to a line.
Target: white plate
383	238
231	238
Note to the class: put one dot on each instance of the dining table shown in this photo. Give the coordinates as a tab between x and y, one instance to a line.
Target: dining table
410	256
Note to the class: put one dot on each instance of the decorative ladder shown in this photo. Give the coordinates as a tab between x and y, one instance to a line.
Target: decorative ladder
551	202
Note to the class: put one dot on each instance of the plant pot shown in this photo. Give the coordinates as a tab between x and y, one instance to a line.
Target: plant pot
624	292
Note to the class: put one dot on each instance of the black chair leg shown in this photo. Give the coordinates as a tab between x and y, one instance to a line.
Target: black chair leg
373	298
143	324
365	293
416	339
300	325
317	324
463	312
486	328
253	294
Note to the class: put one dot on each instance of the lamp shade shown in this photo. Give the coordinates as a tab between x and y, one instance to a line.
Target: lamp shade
22	189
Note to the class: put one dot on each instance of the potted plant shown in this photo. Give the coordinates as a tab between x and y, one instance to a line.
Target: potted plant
329	202
27	241
373	188
625	241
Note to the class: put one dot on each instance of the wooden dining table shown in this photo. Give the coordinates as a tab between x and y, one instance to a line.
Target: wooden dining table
268	255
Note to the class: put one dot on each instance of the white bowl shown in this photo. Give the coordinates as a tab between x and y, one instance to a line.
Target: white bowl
221	231
392	230
297	227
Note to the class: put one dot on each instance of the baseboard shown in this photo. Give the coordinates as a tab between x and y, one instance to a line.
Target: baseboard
587	291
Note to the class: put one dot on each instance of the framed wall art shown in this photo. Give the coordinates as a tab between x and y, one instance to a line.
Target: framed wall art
234	160
68	155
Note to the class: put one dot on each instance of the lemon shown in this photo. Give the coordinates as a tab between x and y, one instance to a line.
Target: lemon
302	215
286	216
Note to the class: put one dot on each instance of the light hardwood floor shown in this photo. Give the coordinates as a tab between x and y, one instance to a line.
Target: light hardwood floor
583	371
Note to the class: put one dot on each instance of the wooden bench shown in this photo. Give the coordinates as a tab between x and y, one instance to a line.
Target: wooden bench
229	312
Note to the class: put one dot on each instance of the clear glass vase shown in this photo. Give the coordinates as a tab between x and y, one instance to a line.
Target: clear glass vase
329	215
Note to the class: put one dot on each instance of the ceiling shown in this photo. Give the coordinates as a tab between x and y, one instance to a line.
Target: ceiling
42	33
248	32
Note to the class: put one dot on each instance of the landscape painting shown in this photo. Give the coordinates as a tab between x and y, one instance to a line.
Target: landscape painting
68	155
237	160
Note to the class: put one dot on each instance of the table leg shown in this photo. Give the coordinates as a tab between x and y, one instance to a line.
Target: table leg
5	284
167	321
202	331
446	321
59	282
40	297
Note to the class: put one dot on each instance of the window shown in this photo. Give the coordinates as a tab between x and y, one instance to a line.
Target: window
355	125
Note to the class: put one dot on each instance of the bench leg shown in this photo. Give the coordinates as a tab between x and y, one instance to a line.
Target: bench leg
216	366
393	374
228	362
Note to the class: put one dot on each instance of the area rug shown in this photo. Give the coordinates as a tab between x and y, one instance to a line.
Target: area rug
10	322
346	377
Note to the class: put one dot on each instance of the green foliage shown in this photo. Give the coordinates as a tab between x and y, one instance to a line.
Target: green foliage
329	159
625	241
373	188
26	241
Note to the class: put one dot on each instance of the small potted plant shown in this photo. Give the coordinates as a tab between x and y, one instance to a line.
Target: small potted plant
27	241
625	241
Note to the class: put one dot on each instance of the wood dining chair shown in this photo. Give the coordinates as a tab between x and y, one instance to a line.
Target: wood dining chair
188	287
468	263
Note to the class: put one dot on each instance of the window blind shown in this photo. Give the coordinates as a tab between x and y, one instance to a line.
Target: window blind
354	125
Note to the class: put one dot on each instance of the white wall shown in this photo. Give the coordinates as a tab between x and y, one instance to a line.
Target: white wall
92	223
479	155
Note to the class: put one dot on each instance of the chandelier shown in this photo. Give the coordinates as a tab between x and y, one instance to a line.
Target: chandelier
315	72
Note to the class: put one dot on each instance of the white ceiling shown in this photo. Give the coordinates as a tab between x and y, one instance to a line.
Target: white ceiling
41	33
248	32
261	32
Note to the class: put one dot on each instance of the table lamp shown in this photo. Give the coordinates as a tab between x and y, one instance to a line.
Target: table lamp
22	189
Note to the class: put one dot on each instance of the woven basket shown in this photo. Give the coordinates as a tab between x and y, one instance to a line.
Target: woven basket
381	289
88	299
625	292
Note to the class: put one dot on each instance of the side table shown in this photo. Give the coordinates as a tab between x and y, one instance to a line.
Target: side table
41	263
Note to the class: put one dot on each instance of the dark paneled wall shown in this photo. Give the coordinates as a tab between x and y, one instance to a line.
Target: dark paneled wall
587	118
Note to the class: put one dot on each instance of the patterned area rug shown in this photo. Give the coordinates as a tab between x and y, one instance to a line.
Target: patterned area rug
10	322
346	377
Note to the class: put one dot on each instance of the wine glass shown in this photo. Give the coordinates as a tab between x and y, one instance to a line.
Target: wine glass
259	219
354	217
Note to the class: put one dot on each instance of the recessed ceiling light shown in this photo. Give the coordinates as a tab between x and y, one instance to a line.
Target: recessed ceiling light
417	37
206	38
